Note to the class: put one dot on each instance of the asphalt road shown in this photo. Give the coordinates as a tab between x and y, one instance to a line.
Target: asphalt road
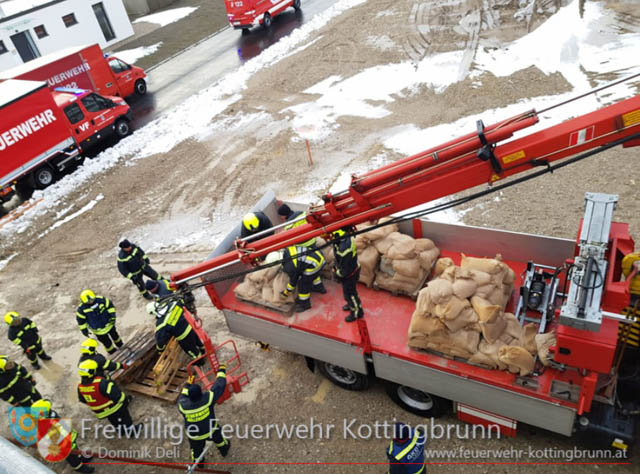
174	80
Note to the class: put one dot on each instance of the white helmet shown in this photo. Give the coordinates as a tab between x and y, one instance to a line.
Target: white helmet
151	307
273	257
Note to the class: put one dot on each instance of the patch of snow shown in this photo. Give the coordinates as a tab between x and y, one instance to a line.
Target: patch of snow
385	13
130	56
87	207
5	262
167	17
383	42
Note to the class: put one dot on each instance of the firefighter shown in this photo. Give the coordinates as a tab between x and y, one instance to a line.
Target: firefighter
42	409
24	333
133	264
255	222
406	451
304	271
170	322
347	271
159	288
98	315
201	424
104	397
16	384
298	218
89	351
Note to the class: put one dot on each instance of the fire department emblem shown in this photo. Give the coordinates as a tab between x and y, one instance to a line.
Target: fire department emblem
24	426
54	438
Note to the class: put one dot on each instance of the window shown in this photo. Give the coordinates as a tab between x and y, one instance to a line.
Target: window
3	48
69	20
40	31
103	21
118	66
74	113
95	103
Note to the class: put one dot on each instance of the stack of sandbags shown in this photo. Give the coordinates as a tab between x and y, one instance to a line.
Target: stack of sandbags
264	287
461	313
405	262
368	255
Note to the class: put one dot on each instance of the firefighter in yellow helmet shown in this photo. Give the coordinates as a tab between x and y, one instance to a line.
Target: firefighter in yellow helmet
303	265
17	385
104	398
255	222
89	351
24	333
98	315
42	409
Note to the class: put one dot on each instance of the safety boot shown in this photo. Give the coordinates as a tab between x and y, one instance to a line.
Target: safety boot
45	356
346	308
35	365
85	469
302	305
224	450
319	288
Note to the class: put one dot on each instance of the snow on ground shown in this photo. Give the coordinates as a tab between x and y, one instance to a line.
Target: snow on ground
168	16
3	263
130	56
85	208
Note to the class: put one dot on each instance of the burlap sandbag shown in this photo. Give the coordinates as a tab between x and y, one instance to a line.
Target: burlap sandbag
451	308
246	290
399	283
409	268
513	329
517	358
258	277
487	265
481	278
267	294
467	318
441	265
361	243
428	258
381	232
429	326
440	290
543	342
383	245
492	330
367	278
491	351
403	246
498	297
464	287
480	358
368	259
423	303
484	291
449	274
487	312
528	338
423	244
386	266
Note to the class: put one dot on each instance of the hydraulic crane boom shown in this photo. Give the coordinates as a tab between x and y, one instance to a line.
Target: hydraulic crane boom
460	164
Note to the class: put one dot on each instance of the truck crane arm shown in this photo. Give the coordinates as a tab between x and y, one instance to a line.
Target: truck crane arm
479	157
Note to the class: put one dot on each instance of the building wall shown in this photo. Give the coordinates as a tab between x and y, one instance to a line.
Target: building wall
85	31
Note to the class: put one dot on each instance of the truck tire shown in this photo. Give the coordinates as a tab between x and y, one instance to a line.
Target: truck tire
141	86
43	177
296	5
266	21
417	402
342	377
122	128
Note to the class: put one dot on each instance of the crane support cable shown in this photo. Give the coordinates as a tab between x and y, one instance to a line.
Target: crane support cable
411	215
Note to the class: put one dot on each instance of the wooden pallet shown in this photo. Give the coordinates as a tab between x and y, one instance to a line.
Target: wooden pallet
413	295
170	361
138	352
147	386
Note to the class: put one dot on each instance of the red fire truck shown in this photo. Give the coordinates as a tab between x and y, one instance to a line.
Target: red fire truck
589	289
43	132
245	14
83	67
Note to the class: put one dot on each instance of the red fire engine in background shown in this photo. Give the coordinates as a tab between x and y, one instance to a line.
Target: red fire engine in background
245	14
43	132
587	291
83	67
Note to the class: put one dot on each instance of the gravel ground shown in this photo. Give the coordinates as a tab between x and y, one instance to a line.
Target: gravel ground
163	192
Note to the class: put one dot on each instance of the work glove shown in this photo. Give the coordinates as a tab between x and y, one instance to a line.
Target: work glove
284	294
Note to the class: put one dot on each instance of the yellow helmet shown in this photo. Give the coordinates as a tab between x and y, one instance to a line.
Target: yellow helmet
338	233
41	408
3	362
87	368
89	346
87	296
10	316
251	221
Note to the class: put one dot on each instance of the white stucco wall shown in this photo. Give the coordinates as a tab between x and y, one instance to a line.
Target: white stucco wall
86	31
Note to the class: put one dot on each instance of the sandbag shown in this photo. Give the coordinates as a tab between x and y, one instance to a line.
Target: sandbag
267	294
543	342
513	328
423	244
423	303
480	358
399	283
258	277
403	246
483	291
528	338
517	358
449	274
383	245
464	288
441	265
481	278
491	331
368	259
487	265
361	243
440	290
498	297
381	232
491	351
386	266
431	327
451	308
367	278
246	290
428	258
487	312
467	318
409	268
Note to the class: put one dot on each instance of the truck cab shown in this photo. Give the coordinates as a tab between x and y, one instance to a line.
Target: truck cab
130	79
93	117
244	14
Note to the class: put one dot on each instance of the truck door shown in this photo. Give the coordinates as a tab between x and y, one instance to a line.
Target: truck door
124	76
80	126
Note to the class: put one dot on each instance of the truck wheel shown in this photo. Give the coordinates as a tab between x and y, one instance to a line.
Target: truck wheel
417	402
141	86
296	4
43	177
342	377
266	21
122	128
